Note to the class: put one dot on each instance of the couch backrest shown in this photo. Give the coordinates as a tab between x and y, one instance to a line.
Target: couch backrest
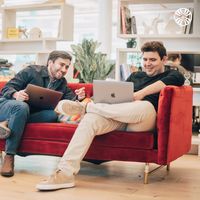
174	122
88	87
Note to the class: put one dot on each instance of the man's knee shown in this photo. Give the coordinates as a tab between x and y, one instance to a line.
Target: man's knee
92	121
147	119
20	107
48	116
99	125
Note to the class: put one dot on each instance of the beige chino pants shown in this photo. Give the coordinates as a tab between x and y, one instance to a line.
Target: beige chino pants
101	119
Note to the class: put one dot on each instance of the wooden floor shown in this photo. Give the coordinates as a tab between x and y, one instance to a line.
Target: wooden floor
112	180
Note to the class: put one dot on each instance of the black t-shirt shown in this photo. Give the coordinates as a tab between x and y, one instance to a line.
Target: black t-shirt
141	80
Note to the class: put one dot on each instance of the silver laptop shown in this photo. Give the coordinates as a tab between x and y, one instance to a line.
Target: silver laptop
42	98
112	91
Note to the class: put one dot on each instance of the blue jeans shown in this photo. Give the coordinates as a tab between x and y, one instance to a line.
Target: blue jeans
17	114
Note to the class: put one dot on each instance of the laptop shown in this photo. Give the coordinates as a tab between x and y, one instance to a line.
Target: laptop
42	98
112	92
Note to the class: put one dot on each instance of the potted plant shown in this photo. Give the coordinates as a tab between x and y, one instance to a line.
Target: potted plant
131	43
91	64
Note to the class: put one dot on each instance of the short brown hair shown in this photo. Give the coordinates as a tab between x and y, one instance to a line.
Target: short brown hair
54	55
174	56
154	46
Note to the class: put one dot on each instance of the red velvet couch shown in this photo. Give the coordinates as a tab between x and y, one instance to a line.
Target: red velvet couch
174	130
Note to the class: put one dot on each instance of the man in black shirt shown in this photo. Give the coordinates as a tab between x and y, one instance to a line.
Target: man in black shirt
101	118
15	112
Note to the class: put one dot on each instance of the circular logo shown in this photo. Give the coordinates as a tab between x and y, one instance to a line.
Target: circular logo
183	16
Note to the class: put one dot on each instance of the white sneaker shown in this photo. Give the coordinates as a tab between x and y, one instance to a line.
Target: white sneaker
71	107
58	180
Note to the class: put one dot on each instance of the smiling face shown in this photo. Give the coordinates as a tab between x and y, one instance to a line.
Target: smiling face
153	64
58	68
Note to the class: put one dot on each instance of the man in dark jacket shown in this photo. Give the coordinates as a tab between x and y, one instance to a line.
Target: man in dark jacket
15	112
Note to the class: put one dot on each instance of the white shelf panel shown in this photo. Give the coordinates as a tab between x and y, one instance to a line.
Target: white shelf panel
33	6
177	36
28	40
154	1
128	50
23	52
128	36
27	45
160	36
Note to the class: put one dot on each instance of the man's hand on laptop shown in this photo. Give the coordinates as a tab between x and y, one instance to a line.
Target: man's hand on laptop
80	93
21	95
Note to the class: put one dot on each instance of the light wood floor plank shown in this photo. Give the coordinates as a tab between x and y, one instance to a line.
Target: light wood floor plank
111	180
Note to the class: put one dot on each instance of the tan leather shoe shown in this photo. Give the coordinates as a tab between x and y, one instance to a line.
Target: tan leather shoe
8	166
58	180
4	130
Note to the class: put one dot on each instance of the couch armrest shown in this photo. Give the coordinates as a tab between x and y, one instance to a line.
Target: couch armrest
174	123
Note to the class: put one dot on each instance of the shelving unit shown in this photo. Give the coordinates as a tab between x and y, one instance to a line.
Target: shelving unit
182	43
41	47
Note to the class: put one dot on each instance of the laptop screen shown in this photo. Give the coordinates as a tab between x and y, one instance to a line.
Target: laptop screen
112	91
42	98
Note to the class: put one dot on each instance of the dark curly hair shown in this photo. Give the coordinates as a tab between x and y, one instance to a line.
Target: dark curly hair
154	46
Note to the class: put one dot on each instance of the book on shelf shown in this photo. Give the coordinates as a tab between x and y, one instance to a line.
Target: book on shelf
128	22
191	23
12	33
125	71
125	20
189	27
133	25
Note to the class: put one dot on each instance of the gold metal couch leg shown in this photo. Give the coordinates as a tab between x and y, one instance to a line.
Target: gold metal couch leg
1	157
168	167
147	171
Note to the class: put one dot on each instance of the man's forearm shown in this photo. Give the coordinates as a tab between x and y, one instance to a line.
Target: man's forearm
153	88
150	89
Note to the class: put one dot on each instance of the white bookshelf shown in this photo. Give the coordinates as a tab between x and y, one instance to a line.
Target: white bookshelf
181	43
41	47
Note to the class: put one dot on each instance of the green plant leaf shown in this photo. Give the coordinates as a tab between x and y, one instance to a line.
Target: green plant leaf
91	64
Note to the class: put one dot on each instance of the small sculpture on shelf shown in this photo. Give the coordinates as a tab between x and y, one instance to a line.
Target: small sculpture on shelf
35	33
153	27
23	32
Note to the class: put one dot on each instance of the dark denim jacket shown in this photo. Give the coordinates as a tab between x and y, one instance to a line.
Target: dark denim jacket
37	75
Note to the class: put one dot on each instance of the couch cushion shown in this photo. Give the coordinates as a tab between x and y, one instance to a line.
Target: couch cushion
63	133
60	132
124	139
